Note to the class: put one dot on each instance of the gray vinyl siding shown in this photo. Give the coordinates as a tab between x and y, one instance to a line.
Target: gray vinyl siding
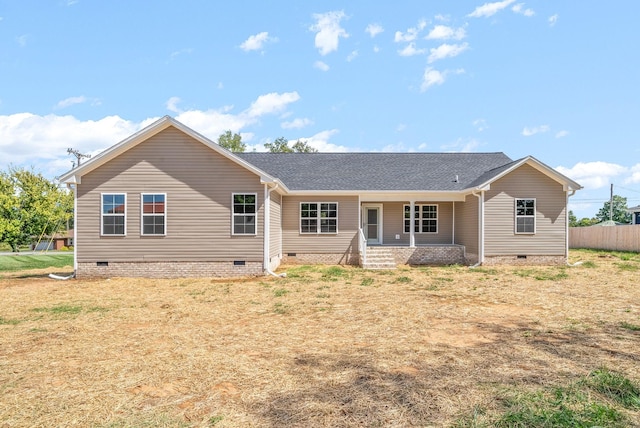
198	183
467	225
525	182
393	224
275	243
328	243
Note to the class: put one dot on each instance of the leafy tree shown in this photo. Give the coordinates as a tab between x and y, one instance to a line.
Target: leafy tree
281	145
31	206
303	147
232	142
620	213
583	222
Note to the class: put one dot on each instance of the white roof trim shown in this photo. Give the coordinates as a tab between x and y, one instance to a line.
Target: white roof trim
567	183
75	175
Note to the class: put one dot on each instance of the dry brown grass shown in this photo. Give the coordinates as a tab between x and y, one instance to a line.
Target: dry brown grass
323	347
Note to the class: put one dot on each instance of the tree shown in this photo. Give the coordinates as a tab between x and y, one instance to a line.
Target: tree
281	145
620	213
31	206
232	142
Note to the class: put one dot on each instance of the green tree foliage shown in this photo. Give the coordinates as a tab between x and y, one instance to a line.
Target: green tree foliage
232	142
281	145
583	222
31	206
620	213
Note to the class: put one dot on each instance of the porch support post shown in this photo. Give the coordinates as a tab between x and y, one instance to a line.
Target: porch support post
412	234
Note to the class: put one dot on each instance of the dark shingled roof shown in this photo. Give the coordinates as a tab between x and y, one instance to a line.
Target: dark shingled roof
380	171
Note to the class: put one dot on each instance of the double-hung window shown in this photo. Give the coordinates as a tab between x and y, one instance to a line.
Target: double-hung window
154	213
113	214
319	217
244	219
425	219
525	216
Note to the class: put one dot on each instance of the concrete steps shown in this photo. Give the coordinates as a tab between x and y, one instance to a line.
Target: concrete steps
379	258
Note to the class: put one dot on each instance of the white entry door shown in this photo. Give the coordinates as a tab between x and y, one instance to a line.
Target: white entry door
372	224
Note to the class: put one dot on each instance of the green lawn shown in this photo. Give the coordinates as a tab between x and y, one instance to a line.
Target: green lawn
36	261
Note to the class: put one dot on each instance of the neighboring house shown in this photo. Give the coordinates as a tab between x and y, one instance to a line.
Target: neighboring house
169	202
56	242
635	214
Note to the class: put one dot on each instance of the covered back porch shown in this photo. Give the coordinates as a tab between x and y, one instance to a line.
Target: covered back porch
416	231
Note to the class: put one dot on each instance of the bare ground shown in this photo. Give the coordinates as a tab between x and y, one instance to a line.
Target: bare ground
323	347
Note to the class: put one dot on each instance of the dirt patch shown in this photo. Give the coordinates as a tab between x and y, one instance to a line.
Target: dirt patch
322	347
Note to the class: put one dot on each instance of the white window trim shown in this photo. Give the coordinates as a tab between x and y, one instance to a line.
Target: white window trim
142	214
234	215
419	210
319	218
516	216
102	215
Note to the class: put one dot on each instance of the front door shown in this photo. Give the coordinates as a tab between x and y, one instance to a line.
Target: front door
372	224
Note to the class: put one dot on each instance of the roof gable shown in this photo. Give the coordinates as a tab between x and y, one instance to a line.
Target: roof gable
75	175
485	180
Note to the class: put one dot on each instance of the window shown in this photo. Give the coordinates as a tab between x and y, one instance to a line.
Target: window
318	217
154	219
526	216
114	214
425	219
244	214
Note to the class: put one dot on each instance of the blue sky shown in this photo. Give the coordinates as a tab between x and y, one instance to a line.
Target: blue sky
556	80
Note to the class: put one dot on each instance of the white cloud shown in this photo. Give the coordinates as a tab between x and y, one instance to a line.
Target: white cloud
42	141
553	19
519	8
561	134
593	175
411	34
490	9
296	123
353	55
480	124
320	65
401	127
256	42
442	32
22	40
374	29
461	145
528	132
442	18
635	175
71	101
446	51
272	103
328	31
376	49
172	104
431	77
410	50
176	54
320	142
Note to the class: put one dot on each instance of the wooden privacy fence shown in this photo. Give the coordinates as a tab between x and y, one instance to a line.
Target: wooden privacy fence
618	238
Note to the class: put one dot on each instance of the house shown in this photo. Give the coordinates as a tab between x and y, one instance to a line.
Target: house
56	242
169	202
635	214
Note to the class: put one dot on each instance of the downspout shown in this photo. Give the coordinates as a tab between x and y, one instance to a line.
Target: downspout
566	235
267	230
480	227
453	223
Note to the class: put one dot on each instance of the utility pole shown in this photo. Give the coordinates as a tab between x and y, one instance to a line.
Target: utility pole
611	204
79	156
